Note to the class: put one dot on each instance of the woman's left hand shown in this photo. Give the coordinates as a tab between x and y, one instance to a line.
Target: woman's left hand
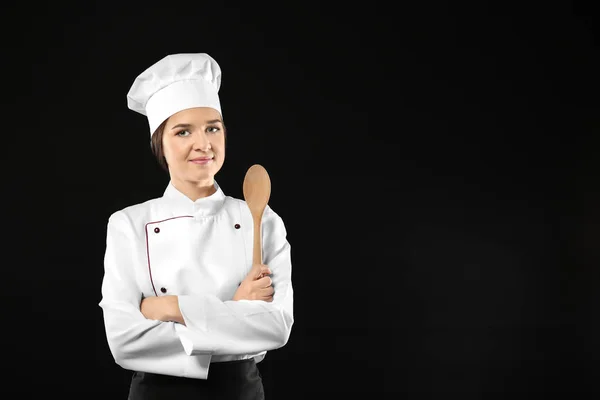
163	308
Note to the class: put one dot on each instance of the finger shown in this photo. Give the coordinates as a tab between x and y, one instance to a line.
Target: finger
260	270
266	297
255	270
264	282
264	271
267	292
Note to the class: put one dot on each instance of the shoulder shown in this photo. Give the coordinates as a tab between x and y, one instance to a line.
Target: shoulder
135	213
269	213
272	223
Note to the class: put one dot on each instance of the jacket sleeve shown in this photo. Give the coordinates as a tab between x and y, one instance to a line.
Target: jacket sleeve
135	342
220	327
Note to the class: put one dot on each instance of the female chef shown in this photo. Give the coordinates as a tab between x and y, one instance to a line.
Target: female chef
183	306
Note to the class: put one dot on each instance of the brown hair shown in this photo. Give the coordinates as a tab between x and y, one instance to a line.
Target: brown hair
157	145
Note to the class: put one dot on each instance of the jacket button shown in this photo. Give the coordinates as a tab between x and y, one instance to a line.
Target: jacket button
156	230
162	289
237	226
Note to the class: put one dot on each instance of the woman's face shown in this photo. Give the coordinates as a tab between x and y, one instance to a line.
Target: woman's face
194	144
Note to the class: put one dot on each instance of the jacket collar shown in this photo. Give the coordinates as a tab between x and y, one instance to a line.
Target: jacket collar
203	207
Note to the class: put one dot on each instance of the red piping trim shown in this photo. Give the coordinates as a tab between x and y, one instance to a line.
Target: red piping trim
148	247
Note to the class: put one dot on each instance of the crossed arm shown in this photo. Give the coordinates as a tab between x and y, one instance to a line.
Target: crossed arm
256	286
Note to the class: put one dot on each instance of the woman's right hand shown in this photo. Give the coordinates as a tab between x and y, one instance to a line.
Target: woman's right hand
257	285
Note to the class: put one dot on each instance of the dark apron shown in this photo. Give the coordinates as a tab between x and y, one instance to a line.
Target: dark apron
231	380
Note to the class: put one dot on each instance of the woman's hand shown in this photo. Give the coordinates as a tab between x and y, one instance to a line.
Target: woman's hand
257	285
163	308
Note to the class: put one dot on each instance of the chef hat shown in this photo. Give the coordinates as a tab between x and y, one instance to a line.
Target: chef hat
175	83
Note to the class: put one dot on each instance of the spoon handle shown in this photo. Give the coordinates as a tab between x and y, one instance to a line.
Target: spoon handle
257	247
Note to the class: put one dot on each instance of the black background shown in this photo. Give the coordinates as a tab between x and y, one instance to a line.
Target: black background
435	167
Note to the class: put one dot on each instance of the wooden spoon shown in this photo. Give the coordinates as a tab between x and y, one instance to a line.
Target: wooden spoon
257	190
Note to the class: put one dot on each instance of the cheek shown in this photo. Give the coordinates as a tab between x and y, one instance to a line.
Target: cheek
174	152
219	143
221	153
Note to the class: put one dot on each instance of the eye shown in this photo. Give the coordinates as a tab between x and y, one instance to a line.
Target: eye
183	133
213	129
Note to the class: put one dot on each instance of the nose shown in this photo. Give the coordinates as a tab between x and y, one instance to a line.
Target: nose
202	142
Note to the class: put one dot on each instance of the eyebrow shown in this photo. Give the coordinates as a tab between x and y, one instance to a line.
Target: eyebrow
212	121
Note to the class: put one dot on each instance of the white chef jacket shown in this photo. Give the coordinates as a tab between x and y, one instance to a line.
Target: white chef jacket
200	251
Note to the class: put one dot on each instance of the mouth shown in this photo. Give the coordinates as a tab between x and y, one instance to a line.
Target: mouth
202	160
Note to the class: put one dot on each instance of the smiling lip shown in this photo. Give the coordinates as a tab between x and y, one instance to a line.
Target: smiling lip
201	160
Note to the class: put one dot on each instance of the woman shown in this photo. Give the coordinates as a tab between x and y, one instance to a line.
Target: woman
183	306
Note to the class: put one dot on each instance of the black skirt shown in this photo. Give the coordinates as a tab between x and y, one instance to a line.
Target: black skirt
231	380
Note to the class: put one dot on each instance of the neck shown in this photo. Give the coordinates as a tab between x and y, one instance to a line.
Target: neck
195	190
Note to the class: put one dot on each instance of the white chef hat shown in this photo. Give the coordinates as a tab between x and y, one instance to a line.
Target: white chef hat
175	83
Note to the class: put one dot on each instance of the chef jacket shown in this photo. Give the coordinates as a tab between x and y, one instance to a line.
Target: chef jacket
200	251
